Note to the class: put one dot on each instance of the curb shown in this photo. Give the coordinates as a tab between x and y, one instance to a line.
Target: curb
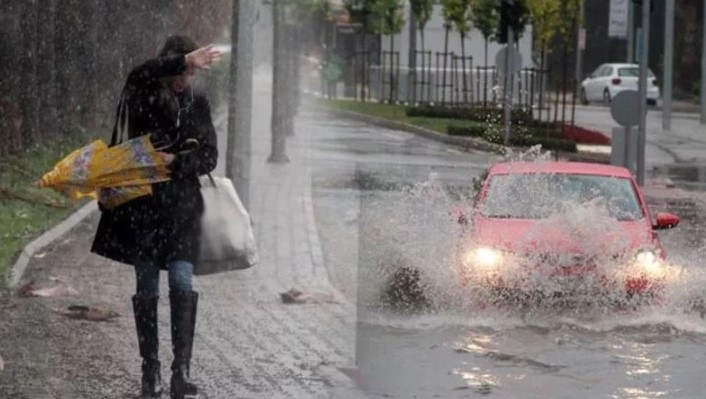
465	143
15	272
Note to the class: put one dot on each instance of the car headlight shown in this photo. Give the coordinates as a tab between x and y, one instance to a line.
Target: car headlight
484	258
649	263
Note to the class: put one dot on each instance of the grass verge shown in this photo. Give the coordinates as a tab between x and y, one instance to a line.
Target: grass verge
396	113
26	211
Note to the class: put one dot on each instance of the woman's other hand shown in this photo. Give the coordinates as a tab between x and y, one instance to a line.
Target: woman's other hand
166	157
203	57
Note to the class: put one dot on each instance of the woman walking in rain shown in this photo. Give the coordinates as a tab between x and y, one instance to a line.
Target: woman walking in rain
161	231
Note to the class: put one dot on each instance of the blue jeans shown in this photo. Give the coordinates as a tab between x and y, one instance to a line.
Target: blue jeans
147	277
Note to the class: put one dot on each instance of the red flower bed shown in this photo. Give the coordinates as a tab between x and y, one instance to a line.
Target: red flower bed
584	136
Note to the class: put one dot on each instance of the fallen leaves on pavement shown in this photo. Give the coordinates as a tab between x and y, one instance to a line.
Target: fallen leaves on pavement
294	296
61	289
80	312
25	289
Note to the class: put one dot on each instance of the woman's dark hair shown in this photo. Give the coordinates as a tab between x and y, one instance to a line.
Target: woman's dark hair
178	45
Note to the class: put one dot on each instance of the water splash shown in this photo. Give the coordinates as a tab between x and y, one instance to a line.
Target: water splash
416	229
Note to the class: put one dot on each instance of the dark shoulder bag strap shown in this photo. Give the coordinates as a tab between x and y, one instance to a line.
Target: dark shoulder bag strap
120	121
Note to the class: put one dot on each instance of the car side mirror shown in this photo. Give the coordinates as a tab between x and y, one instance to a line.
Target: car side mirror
666	221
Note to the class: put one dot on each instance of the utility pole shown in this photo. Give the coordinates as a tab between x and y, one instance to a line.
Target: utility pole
703	70
631	32
412	60
667	78
279	98
644	58
509	84
240	99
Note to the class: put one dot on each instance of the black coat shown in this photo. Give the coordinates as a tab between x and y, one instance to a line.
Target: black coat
164	226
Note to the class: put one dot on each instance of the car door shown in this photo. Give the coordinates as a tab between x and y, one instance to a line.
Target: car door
590	82
604	81
592	88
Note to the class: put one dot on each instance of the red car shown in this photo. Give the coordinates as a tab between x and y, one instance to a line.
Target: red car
562	227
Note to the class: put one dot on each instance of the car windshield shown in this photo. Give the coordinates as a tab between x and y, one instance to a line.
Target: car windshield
632	72
540	195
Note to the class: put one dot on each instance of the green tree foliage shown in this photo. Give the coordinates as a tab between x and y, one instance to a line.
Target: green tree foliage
513	14
423	10
388	17
361	12
546	20
484	17
319	9
459	14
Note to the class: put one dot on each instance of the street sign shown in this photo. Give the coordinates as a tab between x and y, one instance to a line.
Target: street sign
502	57
334	70
618	19
625	108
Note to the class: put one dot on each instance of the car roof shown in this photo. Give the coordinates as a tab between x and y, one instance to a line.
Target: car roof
571	168
622	65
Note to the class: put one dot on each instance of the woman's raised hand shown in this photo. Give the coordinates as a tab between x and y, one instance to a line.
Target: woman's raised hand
203	57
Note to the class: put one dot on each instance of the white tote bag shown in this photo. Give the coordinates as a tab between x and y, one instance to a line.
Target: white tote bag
227	238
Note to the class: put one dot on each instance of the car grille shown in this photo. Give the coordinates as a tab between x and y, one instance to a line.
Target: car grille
569	260
566	260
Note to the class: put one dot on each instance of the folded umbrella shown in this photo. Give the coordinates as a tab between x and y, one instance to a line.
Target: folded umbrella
113	175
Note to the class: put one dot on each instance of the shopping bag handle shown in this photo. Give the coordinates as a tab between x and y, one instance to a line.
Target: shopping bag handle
191	145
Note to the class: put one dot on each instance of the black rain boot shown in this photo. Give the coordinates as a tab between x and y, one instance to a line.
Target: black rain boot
145	309
183	309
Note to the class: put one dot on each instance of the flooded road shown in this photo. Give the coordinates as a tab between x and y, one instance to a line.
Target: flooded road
383	198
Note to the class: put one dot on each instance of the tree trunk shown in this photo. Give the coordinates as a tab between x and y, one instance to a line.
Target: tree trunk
278	154
10	83
443	73
46	75
88	57
542	79
485	75
564	67
363	65
463	73
29	100
392	68
67	79
292	83
425	67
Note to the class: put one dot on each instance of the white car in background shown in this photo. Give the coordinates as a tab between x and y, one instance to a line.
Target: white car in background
610	79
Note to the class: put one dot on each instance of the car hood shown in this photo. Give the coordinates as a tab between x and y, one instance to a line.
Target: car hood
522	235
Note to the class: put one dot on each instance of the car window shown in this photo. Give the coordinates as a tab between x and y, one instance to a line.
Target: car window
597	72
538	196
608	71
633	72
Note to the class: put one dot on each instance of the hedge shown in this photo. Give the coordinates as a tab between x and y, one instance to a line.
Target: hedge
550	144
519	116
466	131
517	130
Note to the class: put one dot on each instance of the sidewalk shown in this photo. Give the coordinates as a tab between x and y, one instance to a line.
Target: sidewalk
684	143
248	344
